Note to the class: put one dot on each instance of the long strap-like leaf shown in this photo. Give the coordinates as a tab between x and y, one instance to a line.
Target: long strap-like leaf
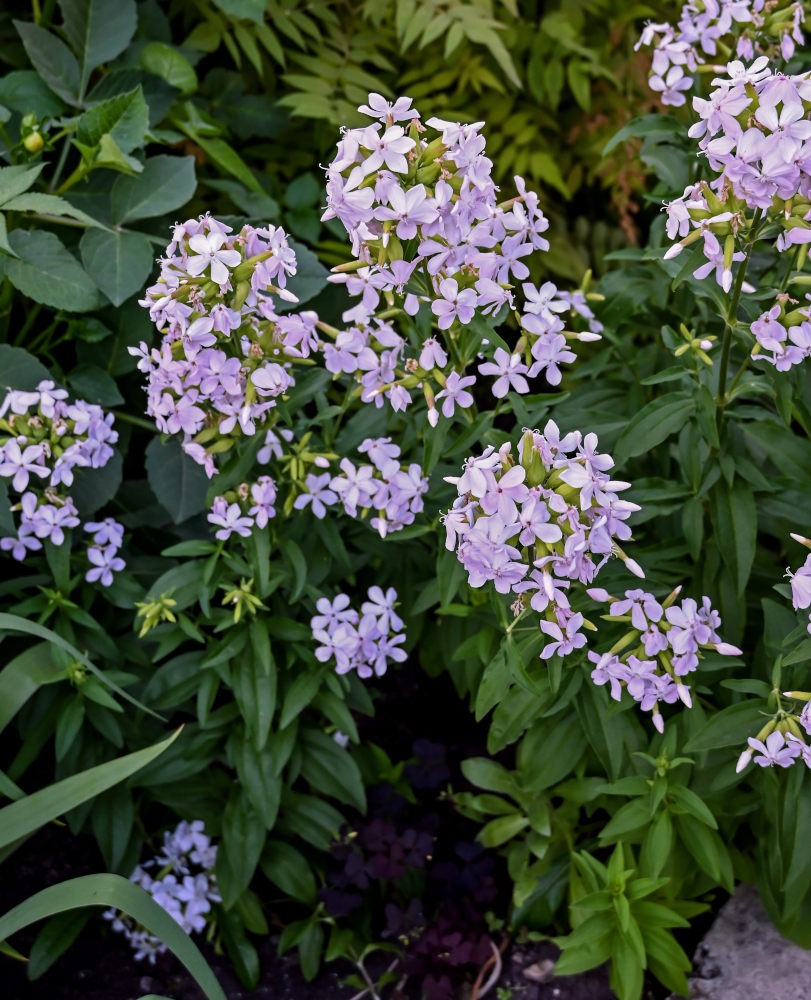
22	817
15	623
120	893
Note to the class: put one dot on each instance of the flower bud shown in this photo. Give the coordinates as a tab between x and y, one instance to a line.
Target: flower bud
743	760
33	142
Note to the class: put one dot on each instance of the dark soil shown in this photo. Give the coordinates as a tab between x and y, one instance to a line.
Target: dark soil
100	964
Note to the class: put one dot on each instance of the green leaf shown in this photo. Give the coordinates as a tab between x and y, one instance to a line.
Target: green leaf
489	774
734	519
47	272
25	91
170	65
19	369
23	817
301	692
94	385
165	184
310	278
499	831
52	59
330	769
53	940
657	844
22	676
119	262
15	180
98	31
287	867
178	482
124	117
652	424
50	204
121	894
729	727
228	160
659	127
15	623
243	837
249	10
691	803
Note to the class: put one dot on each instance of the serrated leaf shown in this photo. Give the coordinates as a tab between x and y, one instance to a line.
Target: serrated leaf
15	180
50	204
98	31
52	59
47	272
125	117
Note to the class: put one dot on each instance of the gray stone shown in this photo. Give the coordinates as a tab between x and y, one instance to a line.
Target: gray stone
744	957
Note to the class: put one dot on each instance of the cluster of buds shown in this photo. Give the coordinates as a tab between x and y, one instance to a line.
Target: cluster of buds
662	646
535	526
364	641
44	438
425	225
226	351
183	884
708	28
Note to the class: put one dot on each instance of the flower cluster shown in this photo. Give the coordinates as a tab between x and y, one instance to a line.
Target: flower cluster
707	27
250	506
662	646
782	741
394	491
44	438
535	527
365	642
801	581
425	225
226	352
184	885
782	337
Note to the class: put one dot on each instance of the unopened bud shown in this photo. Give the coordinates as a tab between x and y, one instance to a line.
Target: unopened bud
33	142
743	760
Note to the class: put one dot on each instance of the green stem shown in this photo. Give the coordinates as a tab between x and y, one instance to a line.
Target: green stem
60	166
730	319
129	418
30	319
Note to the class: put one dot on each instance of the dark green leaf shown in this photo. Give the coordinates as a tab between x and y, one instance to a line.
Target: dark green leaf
19	369
165	184
734	519
119	262
124	117
171	65
98	31
176	480
121	894
52	59
652	424
47	272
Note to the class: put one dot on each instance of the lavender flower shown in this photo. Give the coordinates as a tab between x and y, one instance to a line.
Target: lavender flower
366	642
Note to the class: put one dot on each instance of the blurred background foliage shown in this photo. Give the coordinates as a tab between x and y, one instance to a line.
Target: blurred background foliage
260	89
